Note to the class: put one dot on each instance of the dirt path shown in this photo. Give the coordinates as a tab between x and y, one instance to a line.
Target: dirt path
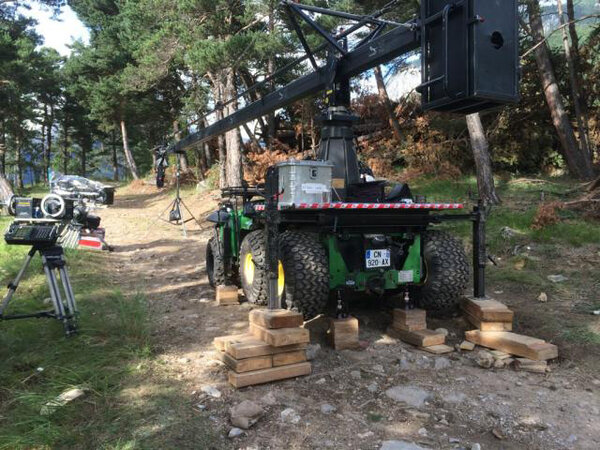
387	392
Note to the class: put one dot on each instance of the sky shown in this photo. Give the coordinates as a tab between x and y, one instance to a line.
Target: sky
58	32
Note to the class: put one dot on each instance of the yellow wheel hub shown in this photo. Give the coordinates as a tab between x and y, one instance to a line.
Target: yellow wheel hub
280	280
248	268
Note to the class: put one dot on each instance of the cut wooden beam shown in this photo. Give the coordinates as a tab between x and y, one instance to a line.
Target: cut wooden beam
248	364
281	336
487	310
409	320
250	347
488	326
343	333
515	344
529	365
438	349
227	295
284	359
420	338
279	318
239	380
220	342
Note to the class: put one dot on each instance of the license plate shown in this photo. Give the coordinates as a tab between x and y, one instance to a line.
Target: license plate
377	258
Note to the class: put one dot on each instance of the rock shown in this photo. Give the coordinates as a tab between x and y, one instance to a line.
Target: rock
443	331
355	374
596	312
411	395
454	397
47	301
245	414
441	363
269	399
365	435
235	432
312	351
543	297
66	397
485	359
404	364
422	432
499	364
400	445
200	407
289	415
326	408
476	446
320	381
378	368
443	422
372	388
557	278
184	360
467	346
507	232
211	391
453	440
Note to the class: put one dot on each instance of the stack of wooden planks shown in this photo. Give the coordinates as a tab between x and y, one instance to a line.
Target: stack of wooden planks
494	322
273	349
227	295
410	325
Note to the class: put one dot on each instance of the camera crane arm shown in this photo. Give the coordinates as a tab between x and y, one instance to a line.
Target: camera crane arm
375	50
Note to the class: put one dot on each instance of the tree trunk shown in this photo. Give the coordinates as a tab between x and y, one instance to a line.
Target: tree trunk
128	155
65	146
83	160
483	161
115	159
49	119
233	137
2	152
387	104
5	189
579	164
575	87
20	183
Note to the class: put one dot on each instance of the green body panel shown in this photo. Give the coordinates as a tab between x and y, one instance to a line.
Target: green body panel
341	276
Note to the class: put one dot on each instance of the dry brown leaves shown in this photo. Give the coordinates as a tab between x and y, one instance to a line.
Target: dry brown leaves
547	215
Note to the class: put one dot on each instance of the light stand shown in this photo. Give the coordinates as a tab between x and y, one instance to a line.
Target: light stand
174	208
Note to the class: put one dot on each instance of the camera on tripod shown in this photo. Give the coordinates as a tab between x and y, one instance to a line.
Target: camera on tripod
52	207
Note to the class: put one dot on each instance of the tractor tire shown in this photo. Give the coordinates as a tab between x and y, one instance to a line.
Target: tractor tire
215	264
446	273
253	270
306	272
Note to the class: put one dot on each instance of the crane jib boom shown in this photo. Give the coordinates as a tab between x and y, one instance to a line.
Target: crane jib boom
385	48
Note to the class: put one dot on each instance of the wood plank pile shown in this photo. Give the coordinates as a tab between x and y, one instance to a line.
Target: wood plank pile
273	349
410	325
494	323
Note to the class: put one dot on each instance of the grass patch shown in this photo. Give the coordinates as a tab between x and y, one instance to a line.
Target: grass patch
581	334
129	403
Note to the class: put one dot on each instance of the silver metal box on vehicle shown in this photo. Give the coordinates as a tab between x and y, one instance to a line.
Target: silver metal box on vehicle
304	182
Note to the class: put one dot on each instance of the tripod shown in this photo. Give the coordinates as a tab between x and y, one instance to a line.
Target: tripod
65	310
175	213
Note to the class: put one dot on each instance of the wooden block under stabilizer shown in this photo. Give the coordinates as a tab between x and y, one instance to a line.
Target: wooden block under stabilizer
240	380
409	319
284	359
488	326
227	295
343	333
221	342
250	347
420	338
248	364
277	318
281	336
515	344
487	310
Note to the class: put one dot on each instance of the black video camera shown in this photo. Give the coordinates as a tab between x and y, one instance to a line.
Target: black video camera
52	207
162	162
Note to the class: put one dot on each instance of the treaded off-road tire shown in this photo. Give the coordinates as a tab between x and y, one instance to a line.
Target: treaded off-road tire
215	265
446	273
306	270
255	289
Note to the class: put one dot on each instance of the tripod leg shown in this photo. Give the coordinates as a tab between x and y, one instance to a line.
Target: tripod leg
54	291
12	287
71	304
190	213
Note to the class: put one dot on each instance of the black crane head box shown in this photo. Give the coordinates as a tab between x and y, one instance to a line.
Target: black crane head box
470	59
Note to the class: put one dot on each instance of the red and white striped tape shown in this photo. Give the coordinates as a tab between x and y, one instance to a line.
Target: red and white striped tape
436	206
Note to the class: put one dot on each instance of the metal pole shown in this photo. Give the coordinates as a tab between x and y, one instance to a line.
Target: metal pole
479	251
272	241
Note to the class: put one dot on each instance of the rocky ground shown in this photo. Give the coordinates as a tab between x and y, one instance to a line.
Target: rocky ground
388	396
